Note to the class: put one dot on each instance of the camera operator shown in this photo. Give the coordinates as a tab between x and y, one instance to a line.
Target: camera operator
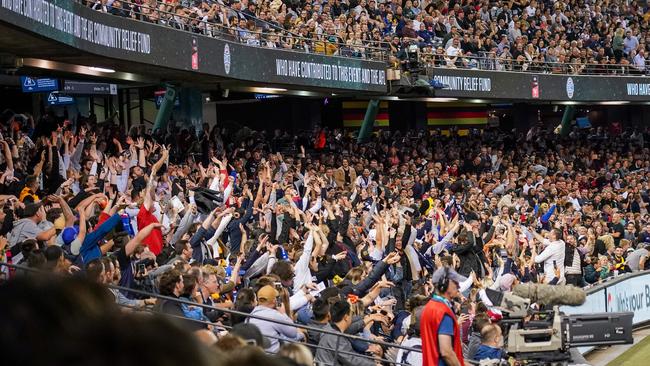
441	344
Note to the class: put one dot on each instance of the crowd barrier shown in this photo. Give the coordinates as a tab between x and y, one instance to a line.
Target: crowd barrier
624	293
628	292
388	357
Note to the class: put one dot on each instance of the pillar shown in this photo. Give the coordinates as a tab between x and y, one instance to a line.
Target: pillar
368	121
166	107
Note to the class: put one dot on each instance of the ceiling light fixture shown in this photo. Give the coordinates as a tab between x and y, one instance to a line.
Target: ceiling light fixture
269	90
441	100
614	102
101	69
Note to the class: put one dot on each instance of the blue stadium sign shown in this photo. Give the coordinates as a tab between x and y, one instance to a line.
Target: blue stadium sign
38	85
59	99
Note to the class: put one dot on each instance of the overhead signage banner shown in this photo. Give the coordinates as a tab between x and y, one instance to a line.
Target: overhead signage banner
79	87
72	24
38	85
59	99
459	83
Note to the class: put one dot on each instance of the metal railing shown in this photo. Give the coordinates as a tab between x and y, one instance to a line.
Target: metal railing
388	346
273	37
488	61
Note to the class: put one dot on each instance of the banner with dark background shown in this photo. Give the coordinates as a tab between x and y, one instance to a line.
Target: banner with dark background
544	87
70	23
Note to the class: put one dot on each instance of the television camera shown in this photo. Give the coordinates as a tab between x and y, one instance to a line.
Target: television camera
545	336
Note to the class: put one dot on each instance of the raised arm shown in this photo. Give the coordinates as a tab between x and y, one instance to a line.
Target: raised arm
75	159
140	236
163	158
38	169
67	212
142	157
511	241
81	235
186	222
148	198
302	266
234	276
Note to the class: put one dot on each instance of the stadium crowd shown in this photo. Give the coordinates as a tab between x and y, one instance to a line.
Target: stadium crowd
574	36
313	229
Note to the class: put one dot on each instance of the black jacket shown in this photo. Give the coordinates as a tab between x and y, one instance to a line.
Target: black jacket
174	309
469	259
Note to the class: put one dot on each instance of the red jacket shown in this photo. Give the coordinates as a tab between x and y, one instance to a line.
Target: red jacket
320	142
155	240
431	318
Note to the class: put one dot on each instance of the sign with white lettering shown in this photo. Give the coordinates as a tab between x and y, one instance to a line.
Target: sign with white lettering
60	17
59	99
636	89
329	71
38	85
460	83
623	294
465	83
79	87
73	25
630	292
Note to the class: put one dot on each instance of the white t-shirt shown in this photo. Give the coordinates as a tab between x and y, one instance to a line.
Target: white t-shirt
453	51
363	182
412	358
530	11
554	252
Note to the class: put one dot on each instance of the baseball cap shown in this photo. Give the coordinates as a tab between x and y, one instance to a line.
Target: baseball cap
250	332
267	293
69	234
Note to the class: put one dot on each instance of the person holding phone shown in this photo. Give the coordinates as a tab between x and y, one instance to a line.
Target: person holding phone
552	255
